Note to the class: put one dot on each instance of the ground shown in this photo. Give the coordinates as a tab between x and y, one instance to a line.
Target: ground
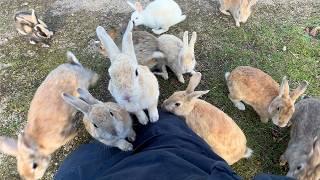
273	40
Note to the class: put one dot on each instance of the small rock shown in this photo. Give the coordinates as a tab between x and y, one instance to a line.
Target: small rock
284	48
25	4
31	53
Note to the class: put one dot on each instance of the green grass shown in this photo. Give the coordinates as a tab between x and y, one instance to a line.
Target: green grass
220	48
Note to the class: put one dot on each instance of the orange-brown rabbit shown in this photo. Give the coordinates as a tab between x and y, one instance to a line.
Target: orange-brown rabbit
259	90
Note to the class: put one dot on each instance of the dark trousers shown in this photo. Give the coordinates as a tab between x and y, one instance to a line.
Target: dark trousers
167	149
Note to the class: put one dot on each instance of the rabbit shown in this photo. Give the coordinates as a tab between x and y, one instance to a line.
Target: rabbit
179	54
29	25
257	89
133	86
214	126
239	9
106	122
51	121
303	151
159	15
146	48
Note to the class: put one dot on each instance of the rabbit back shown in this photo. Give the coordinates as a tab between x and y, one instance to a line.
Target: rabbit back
50	119
219	130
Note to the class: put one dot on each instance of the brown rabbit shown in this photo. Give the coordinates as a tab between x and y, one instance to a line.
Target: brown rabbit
239	9
214	126
50	119
259	90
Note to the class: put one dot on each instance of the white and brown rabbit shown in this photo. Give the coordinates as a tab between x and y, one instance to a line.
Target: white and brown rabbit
303	151
214	126
106	122
146	47
159	15
133	86
239	9
179	54
51	121
36	30
257	89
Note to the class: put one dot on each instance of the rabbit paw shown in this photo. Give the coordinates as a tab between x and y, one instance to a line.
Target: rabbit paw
159	31
125	146
132	136
143	120
225	12
154	117
181	79
240	106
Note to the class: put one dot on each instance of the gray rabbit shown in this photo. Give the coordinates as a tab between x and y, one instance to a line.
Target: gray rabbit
303	151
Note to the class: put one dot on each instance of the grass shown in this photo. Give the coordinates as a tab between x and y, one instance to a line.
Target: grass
220	47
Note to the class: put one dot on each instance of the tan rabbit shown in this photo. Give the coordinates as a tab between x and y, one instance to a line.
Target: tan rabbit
50	120
214	126
179	54
239	9
259	90
106	122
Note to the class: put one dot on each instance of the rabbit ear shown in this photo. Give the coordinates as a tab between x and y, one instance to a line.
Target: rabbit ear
185	40
194	82
76	103
87	97
284	88
127	43
139	7
315	152
193	40
131	5
196	94
298	91
34	17
8	146
110	47
71	58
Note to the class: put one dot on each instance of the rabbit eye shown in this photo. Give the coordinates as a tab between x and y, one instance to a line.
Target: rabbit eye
95	125
34	165
278	109
299	167
111	113
177	104
137	74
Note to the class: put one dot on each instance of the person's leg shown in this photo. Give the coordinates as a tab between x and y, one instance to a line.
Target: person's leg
91	156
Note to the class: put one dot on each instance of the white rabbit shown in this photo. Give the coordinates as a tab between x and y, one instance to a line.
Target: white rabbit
159	15
179	54
106	122
133	86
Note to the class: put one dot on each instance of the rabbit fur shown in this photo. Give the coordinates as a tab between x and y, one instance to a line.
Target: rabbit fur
106	122
214	126
303	151
133	86
239	9
257	89
159	15
51	121
179	54
36	30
